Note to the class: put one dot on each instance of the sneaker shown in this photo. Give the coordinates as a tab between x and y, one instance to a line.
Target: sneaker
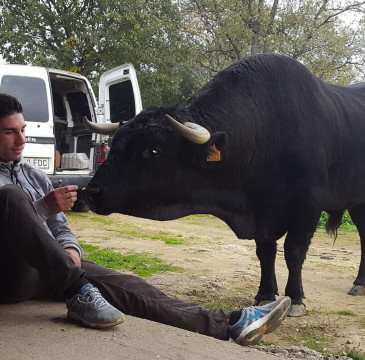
255	321
92	310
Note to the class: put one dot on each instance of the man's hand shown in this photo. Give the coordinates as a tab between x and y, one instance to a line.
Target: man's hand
61	199
74	254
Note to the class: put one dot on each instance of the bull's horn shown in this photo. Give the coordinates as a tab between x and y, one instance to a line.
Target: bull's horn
103	129
193	132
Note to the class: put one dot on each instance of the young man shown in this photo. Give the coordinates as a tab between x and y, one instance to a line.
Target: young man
41	258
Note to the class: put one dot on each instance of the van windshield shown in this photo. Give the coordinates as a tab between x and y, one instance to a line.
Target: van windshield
32	94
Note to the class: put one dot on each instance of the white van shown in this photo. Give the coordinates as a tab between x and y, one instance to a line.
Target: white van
54	103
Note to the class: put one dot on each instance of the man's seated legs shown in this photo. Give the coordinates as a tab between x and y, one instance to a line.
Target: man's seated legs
26	242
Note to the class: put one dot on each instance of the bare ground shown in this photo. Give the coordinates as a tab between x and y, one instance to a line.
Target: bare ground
221	269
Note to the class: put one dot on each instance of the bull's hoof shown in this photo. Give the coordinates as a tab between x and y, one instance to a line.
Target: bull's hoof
357	290
296	310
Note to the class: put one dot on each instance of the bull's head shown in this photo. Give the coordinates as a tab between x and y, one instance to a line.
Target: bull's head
151	167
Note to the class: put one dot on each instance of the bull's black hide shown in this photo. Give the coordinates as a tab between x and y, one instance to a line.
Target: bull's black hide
283	146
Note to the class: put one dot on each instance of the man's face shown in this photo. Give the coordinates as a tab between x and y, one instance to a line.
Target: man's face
12	138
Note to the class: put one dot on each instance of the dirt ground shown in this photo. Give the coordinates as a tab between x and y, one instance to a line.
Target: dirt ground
220	269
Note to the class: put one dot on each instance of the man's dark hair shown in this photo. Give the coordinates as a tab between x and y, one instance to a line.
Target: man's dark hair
9	105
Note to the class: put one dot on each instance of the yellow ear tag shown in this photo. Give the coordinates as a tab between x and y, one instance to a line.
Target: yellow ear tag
214	155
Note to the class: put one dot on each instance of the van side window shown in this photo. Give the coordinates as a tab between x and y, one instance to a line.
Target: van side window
32	94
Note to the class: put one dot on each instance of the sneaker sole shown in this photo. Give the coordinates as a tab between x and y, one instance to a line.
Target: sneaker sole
253	334
75	317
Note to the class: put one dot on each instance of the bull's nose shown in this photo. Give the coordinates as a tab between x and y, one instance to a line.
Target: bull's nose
89	194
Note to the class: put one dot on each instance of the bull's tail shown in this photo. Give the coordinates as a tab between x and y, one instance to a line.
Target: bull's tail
334	221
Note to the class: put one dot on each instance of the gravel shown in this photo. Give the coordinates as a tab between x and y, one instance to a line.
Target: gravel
299	352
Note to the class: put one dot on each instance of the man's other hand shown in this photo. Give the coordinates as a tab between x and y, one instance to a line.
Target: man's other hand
74	254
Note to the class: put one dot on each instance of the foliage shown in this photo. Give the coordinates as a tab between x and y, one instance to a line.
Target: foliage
347	223
90	36
313	32
176	46
143	264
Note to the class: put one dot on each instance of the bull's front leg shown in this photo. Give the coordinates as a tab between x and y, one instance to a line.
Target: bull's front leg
266	253
295	249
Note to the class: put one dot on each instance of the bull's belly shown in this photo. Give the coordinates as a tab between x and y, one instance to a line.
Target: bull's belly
344	200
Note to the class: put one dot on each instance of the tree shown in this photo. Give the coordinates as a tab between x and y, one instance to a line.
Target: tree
314	32
176	46
90	36
53	33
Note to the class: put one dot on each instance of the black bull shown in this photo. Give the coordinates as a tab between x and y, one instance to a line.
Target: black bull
281	147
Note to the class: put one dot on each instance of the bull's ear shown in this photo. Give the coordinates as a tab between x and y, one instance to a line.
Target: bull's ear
220	139
217	142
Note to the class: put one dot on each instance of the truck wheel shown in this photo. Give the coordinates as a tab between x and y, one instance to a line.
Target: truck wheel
79	204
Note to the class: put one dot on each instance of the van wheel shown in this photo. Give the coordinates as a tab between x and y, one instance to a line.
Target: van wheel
79	204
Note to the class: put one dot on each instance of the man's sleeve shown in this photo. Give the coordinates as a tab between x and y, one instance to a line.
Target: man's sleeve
57	224
60	230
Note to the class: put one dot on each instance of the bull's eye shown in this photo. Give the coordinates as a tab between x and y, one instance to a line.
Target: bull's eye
153	152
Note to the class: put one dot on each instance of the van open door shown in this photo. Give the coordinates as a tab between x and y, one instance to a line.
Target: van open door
119	94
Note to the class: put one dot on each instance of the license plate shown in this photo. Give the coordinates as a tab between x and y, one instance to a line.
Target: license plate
40	163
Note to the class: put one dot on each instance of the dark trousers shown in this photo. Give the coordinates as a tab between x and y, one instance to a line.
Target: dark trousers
34	266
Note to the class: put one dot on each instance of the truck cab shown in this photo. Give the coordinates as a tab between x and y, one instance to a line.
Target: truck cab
54	103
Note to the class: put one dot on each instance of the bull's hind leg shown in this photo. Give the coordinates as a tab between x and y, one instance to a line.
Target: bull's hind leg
266	253
358	217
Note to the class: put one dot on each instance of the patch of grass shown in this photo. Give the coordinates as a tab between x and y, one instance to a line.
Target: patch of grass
128	230
309	337
353	354
124	232
317	343
74	215
101	220
344	312
143	264
168	238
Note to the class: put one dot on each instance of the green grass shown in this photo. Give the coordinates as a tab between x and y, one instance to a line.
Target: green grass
344	312
168	238
130	230
353	354
142	264
75	215
309	338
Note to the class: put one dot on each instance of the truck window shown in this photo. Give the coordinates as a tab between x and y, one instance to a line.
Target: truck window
32	94
122	105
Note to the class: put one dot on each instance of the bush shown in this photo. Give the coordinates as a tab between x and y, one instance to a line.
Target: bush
347	223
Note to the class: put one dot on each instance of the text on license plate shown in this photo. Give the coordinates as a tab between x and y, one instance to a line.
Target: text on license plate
40	163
